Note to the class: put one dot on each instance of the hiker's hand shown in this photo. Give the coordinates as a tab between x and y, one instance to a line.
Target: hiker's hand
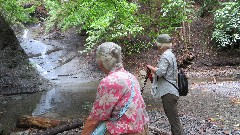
153	69
149	75
89	126
149	67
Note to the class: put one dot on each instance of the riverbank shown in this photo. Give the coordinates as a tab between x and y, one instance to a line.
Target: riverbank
210	108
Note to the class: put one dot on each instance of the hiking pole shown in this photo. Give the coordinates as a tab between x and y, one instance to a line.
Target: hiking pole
148	75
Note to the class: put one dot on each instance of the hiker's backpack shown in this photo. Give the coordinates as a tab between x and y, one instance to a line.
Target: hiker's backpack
182	83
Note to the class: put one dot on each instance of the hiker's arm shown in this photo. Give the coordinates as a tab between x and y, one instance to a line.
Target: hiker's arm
161	69
153	69
89	126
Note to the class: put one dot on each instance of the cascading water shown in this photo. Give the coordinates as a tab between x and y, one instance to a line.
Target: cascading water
36	51
25	33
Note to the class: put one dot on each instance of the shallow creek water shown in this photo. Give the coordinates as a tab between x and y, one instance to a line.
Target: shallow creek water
74	85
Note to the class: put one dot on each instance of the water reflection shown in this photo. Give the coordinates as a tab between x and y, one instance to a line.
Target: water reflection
48	100
71	100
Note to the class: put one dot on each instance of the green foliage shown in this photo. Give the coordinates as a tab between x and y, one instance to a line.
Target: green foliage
164	16
208	6
14	11
227	24
158	17
104	20
147	11
136	45
118	20
173	13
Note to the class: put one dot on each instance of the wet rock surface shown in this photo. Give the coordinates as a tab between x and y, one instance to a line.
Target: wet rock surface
16	75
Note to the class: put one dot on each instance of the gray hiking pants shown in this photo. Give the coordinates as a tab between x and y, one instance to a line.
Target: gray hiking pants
170	107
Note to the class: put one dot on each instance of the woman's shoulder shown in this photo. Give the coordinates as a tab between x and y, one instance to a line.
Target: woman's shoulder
120	73
115	76
168	54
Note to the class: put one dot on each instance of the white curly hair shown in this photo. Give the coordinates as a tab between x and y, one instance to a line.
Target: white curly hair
110	55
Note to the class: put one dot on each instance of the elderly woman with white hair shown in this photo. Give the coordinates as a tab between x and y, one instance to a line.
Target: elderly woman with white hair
119	105
165	71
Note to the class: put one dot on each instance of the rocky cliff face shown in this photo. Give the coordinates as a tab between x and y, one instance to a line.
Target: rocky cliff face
16	74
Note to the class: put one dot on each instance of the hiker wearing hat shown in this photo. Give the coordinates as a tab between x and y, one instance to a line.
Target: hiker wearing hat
166	68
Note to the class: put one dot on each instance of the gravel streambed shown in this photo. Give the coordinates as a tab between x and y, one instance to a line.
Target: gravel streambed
208	109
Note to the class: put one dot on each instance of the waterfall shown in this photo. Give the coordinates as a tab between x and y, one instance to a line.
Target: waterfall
25	33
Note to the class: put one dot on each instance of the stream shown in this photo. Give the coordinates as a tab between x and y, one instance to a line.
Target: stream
74	84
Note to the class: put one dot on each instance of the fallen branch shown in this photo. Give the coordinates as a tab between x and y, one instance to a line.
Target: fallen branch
159	131
37	122
62	128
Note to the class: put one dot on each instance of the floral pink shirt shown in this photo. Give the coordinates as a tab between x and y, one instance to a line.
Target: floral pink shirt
113	93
